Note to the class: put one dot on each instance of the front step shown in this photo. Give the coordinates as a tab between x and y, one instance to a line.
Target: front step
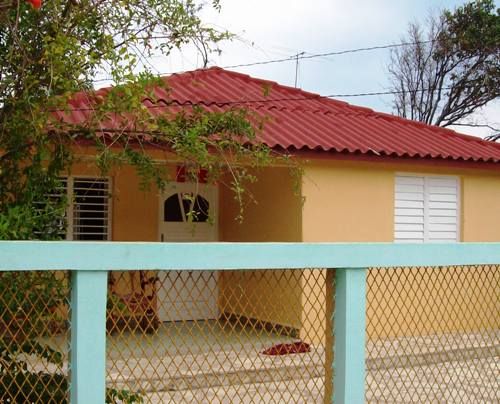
191	372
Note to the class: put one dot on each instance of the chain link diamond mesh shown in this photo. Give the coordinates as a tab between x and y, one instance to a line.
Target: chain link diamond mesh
34	331
228	336
433	334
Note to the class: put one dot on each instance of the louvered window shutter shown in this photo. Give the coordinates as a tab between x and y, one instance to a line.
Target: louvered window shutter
426	209
409	210
442	209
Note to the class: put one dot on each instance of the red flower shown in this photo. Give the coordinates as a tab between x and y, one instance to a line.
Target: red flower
35	3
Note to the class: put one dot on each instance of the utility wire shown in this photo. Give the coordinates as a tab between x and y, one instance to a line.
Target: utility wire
334	53
302	56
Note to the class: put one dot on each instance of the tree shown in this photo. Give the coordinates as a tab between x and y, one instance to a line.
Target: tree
49	57
451	67
493	138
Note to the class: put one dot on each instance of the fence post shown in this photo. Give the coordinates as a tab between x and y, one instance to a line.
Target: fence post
350	331
88	337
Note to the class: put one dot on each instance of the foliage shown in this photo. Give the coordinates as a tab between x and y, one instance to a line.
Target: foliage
48	59
452	67
27	307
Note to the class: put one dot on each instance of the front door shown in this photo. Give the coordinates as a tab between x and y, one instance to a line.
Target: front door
188	213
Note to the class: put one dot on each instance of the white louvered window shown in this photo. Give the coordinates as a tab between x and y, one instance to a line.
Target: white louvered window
88	215
426	209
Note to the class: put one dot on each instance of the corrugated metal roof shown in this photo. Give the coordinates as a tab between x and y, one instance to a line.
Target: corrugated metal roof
300	120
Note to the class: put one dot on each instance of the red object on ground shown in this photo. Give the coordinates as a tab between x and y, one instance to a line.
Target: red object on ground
286	349
35	3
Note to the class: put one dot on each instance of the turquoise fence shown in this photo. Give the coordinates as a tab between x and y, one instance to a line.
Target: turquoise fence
89	263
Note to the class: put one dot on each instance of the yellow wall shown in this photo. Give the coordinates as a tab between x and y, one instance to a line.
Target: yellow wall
134	213
348	201
344	201
272	209
272	213
354	201
274	216
480	208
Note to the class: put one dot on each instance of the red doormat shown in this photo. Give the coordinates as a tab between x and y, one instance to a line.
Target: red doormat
286	349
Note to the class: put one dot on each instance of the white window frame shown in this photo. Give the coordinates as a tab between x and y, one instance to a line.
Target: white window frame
70	180
426	177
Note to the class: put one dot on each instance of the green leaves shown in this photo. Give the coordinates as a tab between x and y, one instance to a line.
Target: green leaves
48	60
473	28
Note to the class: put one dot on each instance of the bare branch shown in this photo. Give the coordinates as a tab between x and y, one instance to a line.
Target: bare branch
463	58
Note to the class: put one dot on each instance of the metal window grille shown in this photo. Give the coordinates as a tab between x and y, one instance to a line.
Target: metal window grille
88	215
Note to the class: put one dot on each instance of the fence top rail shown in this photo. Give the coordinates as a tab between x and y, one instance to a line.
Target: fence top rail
123	256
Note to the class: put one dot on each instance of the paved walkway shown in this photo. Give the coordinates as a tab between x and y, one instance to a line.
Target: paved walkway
445	368
425	369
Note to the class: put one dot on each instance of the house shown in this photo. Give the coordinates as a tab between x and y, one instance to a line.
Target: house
367	176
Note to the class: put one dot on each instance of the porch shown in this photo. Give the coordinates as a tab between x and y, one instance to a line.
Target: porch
211	361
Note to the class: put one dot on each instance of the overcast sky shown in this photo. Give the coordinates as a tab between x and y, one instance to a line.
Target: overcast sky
276	29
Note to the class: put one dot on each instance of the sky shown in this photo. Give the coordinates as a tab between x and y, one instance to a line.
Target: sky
276	29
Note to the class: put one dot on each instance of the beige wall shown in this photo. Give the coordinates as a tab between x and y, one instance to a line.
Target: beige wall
272	213
345	201
349	201
354	201
480	208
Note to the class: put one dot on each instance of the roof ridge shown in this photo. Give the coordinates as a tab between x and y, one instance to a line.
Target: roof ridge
247	77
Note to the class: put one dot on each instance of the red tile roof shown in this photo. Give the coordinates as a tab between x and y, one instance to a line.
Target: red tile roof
305	121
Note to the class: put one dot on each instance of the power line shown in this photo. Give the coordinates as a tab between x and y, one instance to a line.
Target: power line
303	56
333	53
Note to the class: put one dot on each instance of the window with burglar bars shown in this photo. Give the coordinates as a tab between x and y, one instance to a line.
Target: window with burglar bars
89	210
